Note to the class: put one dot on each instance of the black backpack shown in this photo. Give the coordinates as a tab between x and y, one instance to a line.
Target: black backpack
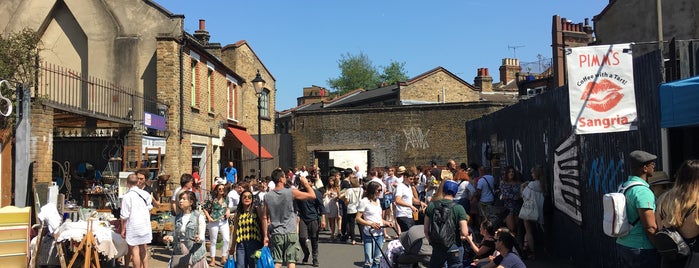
256	200
442	226
670	243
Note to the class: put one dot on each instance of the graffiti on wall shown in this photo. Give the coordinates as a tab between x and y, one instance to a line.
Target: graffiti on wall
415	138
605	174
513	155
566	179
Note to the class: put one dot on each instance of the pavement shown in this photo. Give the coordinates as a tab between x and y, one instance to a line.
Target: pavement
341	255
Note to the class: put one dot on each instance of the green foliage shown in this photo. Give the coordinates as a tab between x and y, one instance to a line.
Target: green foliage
357	71
394	73
18	54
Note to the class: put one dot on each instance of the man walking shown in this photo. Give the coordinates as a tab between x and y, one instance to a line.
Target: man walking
311	219
405	202
135	222
231	174
445	224
636	249
279	208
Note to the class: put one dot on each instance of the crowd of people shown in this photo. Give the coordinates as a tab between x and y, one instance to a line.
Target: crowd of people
287	210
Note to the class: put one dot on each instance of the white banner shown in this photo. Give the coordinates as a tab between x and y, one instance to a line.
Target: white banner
601	91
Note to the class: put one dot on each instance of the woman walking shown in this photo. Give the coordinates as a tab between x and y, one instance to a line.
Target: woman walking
351	197
248	231
330	197
217	213
188	249
369	217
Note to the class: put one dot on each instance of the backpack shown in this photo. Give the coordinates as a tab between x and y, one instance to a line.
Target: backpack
442	226
256	201
615	223
670	243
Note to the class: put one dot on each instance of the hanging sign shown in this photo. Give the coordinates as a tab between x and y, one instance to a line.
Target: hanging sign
601	90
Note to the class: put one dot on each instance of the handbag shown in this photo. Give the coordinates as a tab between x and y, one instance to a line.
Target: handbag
497	201
530	210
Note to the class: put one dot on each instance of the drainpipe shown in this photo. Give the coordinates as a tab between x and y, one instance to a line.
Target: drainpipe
184	41
664	146
444	97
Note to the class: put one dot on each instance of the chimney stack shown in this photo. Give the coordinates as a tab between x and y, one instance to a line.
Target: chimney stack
509	69
202	34
483	80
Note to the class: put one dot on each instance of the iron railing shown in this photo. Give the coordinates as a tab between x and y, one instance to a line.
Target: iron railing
83	94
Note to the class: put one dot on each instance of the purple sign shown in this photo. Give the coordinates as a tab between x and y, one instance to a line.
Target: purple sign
154	121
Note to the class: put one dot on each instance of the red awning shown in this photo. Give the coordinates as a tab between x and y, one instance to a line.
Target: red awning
249	142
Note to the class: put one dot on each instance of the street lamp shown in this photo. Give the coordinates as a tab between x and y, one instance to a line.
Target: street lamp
259	84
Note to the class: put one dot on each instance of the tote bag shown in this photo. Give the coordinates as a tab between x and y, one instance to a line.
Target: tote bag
530	209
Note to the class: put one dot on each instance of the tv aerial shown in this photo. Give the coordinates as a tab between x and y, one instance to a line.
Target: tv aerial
514	49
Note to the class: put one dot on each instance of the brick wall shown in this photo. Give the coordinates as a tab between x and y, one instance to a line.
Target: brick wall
402	135
429	89
197	120
245	63
41	144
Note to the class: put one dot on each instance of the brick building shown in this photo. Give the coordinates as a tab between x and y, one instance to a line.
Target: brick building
110	86
407	123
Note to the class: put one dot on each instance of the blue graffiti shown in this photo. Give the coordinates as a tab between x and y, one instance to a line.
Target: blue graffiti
605	177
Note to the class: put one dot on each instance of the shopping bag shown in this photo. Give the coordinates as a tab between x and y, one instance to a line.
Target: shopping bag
530	210
265	260
230	262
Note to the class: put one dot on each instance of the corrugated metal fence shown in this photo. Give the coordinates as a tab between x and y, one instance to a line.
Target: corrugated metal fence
538	131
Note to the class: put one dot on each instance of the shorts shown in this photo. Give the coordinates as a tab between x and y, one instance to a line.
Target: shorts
285	247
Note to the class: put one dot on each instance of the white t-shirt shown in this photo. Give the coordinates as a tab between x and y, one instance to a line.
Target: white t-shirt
464	190
383	185
360	175
371	213
486	193
422	183
302	173
233	199
270	186
353	196
202	224
135	207
406	194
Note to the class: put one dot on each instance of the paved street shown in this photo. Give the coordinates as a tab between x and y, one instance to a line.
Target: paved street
339	255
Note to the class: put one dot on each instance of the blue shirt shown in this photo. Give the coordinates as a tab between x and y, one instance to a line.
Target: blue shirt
230	174
637	197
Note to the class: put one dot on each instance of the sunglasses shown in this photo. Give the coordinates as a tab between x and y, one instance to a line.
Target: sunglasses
379	190
247	196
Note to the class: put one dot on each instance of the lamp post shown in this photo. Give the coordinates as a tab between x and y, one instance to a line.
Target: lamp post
259	84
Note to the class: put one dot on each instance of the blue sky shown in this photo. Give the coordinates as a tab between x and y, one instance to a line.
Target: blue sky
301	42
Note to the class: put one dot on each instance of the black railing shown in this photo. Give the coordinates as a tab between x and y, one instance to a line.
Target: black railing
76	92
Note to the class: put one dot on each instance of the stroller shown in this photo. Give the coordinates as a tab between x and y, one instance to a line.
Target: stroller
411	250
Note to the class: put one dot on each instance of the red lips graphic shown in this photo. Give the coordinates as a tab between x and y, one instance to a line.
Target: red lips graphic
602	96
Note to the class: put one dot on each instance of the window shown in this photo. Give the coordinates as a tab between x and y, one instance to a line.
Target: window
210	89
194	89
264	104
231	100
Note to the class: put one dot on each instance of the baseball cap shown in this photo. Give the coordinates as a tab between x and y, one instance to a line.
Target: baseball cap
450	187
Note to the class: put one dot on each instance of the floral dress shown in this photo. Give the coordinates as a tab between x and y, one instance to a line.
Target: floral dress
216	208
511	197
